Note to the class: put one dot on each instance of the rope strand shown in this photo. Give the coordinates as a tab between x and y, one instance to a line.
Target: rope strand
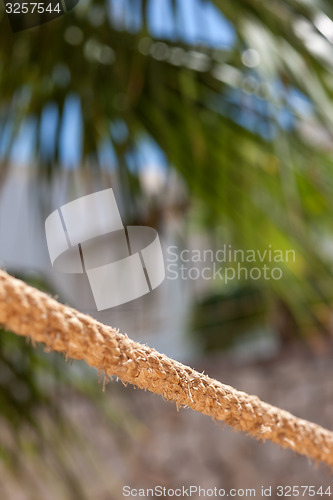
31	313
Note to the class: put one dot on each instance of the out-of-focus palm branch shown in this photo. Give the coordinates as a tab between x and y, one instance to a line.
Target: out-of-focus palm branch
264	181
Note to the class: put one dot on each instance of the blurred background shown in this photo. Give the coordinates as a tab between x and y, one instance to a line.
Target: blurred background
213	123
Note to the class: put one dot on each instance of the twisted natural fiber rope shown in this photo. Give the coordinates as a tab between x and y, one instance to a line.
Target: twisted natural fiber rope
27	311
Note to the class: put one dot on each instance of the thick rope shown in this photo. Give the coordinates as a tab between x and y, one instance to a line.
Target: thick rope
29	312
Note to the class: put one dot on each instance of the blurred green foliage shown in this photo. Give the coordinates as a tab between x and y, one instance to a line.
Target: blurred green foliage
267	182
248	185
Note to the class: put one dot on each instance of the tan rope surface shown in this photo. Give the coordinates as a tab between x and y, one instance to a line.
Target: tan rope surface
29	312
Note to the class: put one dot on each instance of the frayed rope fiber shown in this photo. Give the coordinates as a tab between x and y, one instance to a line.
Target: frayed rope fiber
29	312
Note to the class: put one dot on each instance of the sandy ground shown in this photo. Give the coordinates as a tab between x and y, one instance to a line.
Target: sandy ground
141	441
